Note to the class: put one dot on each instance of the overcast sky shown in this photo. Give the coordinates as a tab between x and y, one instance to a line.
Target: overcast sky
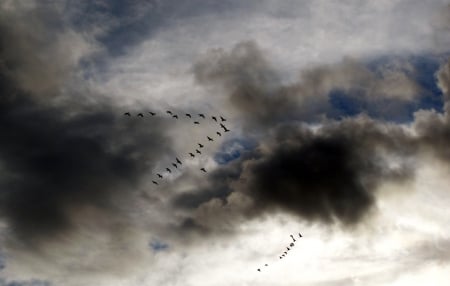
339	119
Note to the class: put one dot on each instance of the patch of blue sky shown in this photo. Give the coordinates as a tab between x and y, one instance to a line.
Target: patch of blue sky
232	149
158	246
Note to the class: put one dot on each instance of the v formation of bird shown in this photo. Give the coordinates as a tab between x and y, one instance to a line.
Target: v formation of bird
285	252
177	163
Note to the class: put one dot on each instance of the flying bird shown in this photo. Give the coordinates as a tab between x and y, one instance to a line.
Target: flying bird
259	270
201	115
169	112
292	244
192	155
300	235
160	176
209	138
293	238
152	113
200	145
285	253
223	119
196	122
178	161
175	116
175	165
214	118
196	150
168	170
140	115
226	130
288	248
221	125
266	264
188	115
203	169
218	133
154	182
127	114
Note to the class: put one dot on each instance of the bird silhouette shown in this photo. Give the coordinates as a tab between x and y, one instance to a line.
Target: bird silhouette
221	125
226	130
218	133
152	113
169	112
201	115
214	118
175	165
223	119
200	145
192	155
178	161
196	150
292	244
127	114
160	176
259	270
188	115
293	238
285	253
154	182
300	235
266	264
175	116
281	257
168	170
203	169
209	138
288	248
140	115
196	122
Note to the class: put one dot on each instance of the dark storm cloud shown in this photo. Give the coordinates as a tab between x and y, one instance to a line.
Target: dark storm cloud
326	174
56	159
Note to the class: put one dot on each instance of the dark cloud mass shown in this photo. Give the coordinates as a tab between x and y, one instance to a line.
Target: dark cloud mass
56	159
329	173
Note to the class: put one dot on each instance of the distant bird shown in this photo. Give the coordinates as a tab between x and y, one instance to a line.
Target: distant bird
196	122
160	176
292	244
300	235
152	113
203	169
127	114
175	116
221	125
201	115
192	155
209	138
178	161
175	165
200	145
169	112
196	150
154	182
188	115
281	257
285	253
293	238
168	170
288	248
259	270
223	119
218	133
214	118
140	115
226	130
266	264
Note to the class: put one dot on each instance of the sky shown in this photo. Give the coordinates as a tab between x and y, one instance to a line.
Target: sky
339	119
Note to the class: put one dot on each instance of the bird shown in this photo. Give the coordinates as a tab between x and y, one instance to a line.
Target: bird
168	170
259	270
292	244
140	115
196	122
221	125
200	145
218	133
223	119
154	182
175	116
169	112
160	176
300	235
178	161
152	113
201	115
285	253
203	169
175	165
281	257
196	150
288	248
266	264
188	115
127	114
293	238
192	155
209	138
214	118
226	130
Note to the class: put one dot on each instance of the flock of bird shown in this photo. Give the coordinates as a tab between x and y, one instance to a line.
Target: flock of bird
288	248
177	162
